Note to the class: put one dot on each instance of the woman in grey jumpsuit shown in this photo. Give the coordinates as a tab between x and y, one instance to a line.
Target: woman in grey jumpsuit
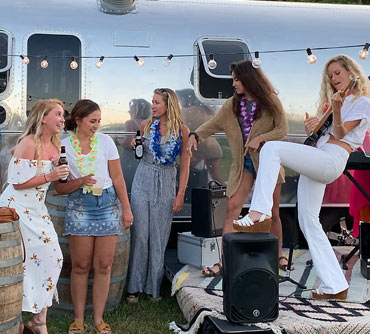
153	195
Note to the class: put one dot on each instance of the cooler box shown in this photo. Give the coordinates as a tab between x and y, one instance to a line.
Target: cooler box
198	251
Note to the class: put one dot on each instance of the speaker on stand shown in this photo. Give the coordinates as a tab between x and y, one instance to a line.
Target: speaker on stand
365	249
250	277
208	209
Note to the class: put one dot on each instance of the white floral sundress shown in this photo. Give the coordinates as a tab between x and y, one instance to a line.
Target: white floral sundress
44	257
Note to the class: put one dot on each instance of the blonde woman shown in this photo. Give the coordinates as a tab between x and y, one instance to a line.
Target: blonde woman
318	166
153	195
29	175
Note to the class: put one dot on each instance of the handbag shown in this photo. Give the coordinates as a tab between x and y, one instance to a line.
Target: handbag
10	215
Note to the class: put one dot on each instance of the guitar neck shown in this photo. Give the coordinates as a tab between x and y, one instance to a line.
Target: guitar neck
323	119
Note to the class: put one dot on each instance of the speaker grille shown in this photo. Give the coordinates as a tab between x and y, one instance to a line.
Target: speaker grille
252	293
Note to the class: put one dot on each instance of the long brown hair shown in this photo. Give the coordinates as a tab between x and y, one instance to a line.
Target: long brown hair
257	85
82	109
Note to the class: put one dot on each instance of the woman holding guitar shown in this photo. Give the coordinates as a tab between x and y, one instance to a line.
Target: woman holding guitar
318	166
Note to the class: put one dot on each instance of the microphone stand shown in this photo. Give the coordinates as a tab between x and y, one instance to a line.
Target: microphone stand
290	257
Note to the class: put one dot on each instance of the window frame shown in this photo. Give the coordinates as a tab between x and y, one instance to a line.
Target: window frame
9	51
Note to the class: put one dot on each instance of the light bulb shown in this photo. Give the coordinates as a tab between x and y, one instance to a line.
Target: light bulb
364	52
256	63
100	62
73	64
212	64
139	61
168	60
44	63
25	59
311	58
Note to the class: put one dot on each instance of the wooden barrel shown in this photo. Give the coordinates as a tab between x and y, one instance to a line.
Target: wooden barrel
56	205
11	278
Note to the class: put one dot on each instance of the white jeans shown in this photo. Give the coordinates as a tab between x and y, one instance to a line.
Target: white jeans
317	167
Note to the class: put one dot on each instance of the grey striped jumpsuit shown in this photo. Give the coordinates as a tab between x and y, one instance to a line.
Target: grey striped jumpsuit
152	194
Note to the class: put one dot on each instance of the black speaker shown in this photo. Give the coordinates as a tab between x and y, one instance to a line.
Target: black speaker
208	209
250	277
213	325
365	249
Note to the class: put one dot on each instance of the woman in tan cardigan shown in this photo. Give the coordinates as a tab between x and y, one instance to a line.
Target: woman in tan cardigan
254	115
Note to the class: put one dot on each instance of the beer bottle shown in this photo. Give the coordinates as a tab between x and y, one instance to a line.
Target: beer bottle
63	161
139	147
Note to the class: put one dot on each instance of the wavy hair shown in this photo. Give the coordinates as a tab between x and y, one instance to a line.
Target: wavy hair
82	108
327	90
34	124
257	85
174	116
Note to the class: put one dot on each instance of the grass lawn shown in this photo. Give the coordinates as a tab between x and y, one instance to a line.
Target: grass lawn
144	317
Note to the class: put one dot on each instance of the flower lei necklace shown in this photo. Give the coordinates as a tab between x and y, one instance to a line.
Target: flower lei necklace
248	117
90	168
173	149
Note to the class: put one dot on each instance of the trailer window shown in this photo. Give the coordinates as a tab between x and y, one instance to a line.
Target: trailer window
6	41
216	83
58	79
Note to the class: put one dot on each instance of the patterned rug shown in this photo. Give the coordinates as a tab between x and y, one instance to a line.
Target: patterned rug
298	313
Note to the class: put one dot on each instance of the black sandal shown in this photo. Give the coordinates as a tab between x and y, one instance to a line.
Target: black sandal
209	272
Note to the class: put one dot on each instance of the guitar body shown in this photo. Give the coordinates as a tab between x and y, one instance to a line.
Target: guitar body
312	139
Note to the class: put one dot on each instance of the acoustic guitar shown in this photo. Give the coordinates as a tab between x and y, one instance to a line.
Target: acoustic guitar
326	119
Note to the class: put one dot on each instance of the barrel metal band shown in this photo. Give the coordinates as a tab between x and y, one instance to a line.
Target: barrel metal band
10	243
10	324
11	280
7	227
10	262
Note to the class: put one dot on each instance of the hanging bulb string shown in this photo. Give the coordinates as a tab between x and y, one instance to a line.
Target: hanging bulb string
30	57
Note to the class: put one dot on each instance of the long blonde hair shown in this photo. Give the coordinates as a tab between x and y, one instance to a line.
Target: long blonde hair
34	124
174	116
327	90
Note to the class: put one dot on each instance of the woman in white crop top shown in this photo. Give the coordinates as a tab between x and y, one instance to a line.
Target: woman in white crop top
317	167
93	219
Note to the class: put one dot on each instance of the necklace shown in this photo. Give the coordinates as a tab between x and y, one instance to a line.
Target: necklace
173	149
90	167
248	116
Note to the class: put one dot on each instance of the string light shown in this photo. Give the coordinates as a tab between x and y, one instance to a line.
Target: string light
212	62
44	63
73	64
311	58
256	63
100	62
25	59
139	61
364	52
168	60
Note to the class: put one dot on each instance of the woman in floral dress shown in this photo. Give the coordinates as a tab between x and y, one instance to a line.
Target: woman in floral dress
153	195
29	175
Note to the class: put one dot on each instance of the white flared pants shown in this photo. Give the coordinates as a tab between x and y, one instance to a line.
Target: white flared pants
317	167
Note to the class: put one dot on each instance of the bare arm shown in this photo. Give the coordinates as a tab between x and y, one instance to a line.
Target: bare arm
72	185
340	129
115	173
26	150
178	202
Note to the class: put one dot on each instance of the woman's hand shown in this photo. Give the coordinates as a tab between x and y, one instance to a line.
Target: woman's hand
58	173
192	143
178	203
127	218
337	102
87	180
310	123
253	145
133	143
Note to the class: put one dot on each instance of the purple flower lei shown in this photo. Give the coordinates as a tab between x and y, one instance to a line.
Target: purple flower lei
248	117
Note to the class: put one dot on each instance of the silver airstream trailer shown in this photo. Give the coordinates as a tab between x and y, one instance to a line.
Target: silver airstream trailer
118	52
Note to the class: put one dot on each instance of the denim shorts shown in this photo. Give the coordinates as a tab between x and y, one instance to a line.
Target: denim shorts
90	215
248	165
